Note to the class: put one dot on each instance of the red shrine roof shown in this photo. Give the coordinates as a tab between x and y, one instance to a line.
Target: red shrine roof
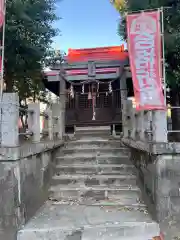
115	53
99	54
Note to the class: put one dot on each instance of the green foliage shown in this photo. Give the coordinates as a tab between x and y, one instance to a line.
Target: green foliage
54	57
29	33
171	34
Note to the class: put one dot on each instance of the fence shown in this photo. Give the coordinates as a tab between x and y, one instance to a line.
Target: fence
151	126
145	126
12	135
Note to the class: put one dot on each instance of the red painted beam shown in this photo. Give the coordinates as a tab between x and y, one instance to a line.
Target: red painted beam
85	71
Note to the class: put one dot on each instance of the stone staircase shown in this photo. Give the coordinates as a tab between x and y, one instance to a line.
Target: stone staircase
94	194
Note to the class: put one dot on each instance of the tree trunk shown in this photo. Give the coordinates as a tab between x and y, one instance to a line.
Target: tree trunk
175	113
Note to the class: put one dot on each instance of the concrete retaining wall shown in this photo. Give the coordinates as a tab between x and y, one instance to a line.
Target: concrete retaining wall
24	183
161	179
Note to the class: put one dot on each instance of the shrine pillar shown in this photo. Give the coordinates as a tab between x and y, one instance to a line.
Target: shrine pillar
123	94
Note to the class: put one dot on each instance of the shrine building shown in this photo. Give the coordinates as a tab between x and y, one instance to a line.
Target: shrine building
91	82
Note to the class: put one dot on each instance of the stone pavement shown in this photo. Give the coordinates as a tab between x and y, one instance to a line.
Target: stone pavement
94	195
62	221
171	228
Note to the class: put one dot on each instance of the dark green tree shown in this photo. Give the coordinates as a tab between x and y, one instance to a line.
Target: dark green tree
29	34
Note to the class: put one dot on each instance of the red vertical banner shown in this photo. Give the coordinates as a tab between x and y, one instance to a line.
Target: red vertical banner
2	12
145	54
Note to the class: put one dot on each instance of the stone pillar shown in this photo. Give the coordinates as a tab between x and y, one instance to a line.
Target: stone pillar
127	117
10	120
34	121
147	125
123	89
62	120
133	119
45	127
62	104
50	124
159	126
114	130
140	125
56	115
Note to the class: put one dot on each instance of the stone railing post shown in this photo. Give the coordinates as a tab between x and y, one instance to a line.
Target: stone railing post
136	124
50	124
10	120
132	111
159	126
140	125
125	120
34	121
56	114
62	119
147	125
128	120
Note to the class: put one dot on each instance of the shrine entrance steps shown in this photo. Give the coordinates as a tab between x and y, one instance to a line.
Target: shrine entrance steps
94	194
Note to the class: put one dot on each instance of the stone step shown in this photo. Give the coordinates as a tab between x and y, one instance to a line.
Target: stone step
78	222
73	191
95	168
82	188
93	131
90	137
94	159
93	128
124	199
94	180
138	205
117	232
97	151
95	142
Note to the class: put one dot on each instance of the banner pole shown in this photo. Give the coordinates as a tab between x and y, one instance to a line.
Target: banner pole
163	53
2	68
2	55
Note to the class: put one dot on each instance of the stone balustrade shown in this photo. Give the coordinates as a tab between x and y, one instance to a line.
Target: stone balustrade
27	159
145	126
157	159
53	127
